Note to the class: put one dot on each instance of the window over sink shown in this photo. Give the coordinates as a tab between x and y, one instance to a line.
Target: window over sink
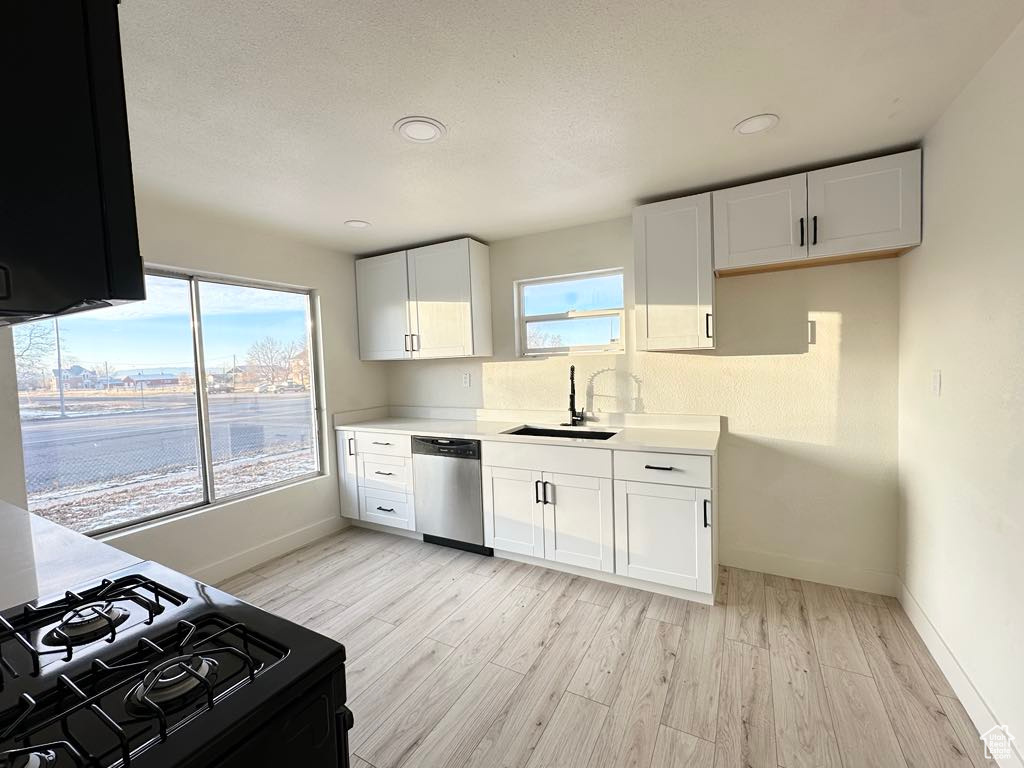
115	430
582	312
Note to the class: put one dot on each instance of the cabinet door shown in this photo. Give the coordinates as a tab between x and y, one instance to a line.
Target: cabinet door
675	279
348	483
761	223
661	536
441	295
872	205
382	300
513	511
578	521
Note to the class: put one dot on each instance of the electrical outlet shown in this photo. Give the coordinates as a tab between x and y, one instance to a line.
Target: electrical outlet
467	379
937	382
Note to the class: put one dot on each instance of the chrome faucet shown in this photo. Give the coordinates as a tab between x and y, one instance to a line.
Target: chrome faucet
575	417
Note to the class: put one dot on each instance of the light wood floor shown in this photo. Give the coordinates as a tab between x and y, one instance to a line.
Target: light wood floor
460	660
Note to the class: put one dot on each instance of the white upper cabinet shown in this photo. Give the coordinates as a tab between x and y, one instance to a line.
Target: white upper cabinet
382	300
675	281
868	206
859	208
433	301
762	223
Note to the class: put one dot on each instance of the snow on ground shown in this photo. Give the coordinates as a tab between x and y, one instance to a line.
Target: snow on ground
112	504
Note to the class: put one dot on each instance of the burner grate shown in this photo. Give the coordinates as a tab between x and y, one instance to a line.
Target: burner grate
105	692
67	614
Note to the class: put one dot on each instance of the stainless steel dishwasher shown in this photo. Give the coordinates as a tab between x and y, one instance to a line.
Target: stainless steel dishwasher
447	491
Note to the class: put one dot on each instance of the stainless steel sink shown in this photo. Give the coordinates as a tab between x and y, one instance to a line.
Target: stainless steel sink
577	433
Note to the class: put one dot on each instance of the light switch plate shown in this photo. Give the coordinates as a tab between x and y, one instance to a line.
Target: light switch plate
467	379
937	382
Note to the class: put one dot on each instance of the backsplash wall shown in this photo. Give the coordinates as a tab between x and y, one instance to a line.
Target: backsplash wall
808	478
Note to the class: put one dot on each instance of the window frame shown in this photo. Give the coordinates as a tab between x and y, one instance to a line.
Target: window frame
523	320
313	341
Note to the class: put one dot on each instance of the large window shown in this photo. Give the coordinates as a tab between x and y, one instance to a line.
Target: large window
571	313
116	431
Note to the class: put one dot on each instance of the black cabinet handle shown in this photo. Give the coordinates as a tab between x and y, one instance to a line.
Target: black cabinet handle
351	446
5	282
376	443
707	503
814	237
801	231
707	325
546	499
384	509
415	342
661	469
385	474
536	492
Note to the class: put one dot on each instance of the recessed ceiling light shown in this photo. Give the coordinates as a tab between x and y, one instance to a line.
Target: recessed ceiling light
756	124
357	224
419	129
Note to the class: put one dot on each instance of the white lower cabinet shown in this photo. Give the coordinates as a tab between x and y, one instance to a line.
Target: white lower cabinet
663	534
348	473
375	478
513	510
578	521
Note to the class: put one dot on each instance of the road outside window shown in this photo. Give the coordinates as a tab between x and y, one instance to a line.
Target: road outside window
114	428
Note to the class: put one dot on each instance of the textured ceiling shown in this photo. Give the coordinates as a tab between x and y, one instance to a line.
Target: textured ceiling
558	112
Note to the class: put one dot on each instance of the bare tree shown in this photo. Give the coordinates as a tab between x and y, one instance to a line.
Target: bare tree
538	339
272	358
34	346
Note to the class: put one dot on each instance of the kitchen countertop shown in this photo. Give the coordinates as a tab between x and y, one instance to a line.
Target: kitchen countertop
694	441
41	559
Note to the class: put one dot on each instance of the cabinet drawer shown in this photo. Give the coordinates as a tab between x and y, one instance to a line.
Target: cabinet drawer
383	444
667	468
385	473
386	508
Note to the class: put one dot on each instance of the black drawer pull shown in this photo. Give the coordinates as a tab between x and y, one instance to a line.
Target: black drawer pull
385	474
384	509
376	443
655	466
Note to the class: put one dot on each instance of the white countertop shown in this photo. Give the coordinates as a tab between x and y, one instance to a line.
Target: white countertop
39	558
666	440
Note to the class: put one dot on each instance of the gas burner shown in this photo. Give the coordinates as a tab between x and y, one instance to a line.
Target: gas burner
171	683
42	759
86	623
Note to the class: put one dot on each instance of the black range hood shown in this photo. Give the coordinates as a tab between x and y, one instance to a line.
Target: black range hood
68	234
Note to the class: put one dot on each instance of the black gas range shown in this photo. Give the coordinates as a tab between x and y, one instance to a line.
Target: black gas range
149	668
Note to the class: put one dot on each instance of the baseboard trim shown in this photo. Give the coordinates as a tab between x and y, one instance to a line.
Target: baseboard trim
613	578
224	569
980	713
836	574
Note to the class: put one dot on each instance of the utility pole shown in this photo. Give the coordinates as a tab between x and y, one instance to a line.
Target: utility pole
60	369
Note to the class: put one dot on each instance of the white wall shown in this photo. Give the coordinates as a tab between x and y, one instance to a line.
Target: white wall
962	454
12	468
808	467
216	542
